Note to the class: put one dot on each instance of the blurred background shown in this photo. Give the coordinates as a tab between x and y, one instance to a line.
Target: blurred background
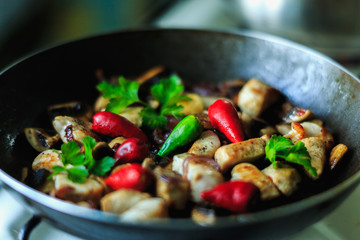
330	26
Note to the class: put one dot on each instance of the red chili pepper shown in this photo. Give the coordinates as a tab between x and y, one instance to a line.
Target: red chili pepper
224	117
236	196
132	150
114	125
133	176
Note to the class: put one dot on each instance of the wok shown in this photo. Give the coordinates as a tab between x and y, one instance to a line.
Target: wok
66	72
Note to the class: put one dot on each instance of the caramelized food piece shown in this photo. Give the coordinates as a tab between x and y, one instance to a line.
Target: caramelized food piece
250	173
317	151
145	210
47	160
90	190
246	151
206	145
285	177
336	154
202	172
121	200
172	188
298	115
71	128
256	96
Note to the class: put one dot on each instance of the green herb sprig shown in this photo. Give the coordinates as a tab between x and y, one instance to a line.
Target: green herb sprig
279	147
79	165
168	92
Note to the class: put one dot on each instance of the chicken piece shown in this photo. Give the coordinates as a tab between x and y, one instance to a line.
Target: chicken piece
256	96
336	154
203	216
285	177
178	162
90	190
145	210
172	188
71	128
250	173
47	160
202	172
192	106
121	200
245	151
317	151
206	145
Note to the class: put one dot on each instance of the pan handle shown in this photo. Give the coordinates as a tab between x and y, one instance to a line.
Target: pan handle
26	230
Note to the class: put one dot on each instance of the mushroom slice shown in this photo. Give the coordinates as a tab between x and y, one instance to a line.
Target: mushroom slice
298	115
256	96
145	210
245	151
71	128
78	110
317	151
172	188
204	120
47	160
285	177
250	173
41	139
101	150
121	200
90	190
206	145
336	154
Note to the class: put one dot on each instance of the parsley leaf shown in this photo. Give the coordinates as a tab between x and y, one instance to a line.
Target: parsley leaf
121	95
101	167
152	119
89	144
79	165
71	154
77	174
281	147
168	92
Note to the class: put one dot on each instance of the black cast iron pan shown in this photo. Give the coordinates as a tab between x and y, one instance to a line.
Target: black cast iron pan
66	73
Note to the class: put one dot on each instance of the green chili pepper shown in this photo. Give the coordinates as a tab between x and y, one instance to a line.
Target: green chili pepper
186	131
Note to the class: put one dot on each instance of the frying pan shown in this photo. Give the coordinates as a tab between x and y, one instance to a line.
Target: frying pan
66	72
